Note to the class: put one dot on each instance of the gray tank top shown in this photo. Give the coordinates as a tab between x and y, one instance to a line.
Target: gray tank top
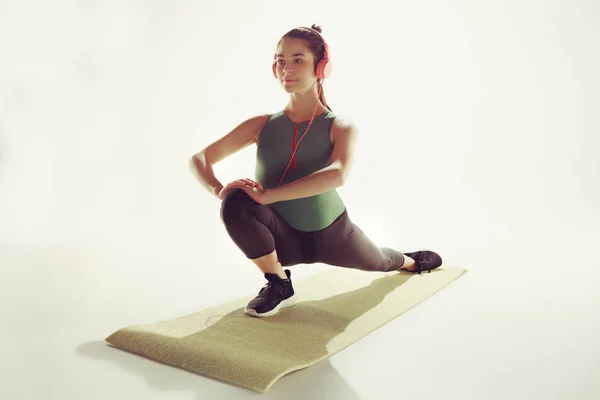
274	149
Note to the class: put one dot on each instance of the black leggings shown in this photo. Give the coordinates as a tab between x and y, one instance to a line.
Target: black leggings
258	230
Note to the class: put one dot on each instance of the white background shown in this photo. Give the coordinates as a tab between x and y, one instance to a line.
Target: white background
478	138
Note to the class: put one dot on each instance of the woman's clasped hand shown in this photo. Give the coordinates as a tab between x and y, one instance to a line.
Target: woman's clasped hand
252	188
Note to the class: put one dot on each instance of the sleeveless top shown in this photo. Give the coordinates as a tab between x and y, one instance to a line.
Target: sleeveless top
273	152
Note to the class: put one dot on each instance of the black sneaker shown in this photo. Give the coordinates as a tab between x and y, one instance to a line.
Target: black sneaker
425	260
277	293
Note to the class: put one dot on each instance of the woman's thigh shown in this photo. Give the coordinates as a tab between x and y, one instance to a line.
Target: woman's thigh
345	244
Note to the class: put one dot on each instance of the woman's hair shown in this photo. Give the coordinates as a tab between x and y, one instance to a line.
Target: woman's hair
316	46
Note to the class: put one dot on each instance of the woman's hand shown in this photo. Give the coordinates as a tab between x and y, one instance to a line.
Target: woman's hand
252	188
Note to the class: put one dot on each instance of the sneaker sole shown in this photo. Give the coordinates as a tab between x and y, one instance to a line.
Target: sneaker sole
285	303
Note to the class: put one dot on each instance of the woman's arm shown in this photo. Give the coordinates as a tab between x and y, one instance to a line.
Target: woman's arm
204	173
243	135
318	182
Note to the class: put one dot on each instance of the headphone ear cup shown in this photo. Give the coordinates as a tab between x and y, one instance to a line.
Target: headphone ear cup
324	68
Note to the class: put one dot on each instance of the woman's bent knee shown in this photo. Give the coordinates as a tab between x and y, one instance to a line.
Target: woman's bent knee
233	205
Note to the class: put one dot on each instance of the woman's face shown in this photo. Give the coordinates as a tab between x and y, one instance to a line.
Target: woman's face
295	65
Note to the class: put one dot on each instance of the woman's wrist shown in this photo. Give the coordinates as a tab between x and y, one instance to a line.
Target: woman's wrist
217	190
270	196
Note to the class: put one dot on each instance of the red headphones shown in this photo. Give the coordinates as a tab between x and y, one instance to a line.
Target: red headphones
323	71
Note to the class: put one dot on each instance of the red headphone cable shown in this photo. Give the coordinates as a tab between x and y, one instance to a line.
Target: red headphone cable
301	137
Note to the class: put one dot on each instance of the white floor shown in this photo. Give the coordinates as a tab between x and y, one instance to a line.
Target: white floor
523	323
102	226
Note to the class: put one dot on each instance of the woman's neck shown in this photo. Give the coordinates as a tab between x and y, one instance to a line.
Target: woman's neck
303	109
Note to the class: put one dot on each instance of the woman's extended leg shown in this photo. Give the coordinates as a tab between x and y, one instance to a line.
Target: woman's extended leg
344	244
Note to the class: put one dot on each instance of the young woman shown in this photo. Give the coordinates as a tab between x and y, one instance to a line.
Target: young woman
291	213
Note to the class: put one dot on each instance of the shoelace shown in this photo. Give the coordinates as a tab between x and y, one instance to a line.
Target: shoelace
422	262
272	285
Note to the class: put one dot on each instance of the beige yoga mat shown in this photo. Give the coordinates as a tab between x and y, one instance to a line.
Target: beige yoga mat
336	308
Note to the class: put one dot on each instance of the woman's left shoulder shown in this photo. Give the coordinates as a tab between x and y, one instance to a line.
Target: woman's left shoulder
342	125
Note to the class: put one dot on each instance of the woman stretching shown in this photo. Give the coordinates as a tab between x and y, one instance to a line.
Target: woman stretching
291	212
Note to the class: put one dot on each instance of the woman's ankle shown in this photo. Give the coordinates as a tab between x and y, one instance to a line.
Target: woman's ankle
279	271
269	264
409	263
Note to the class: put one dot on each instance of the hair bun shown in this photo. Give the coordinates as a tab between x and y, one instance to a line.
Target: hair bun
316	28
